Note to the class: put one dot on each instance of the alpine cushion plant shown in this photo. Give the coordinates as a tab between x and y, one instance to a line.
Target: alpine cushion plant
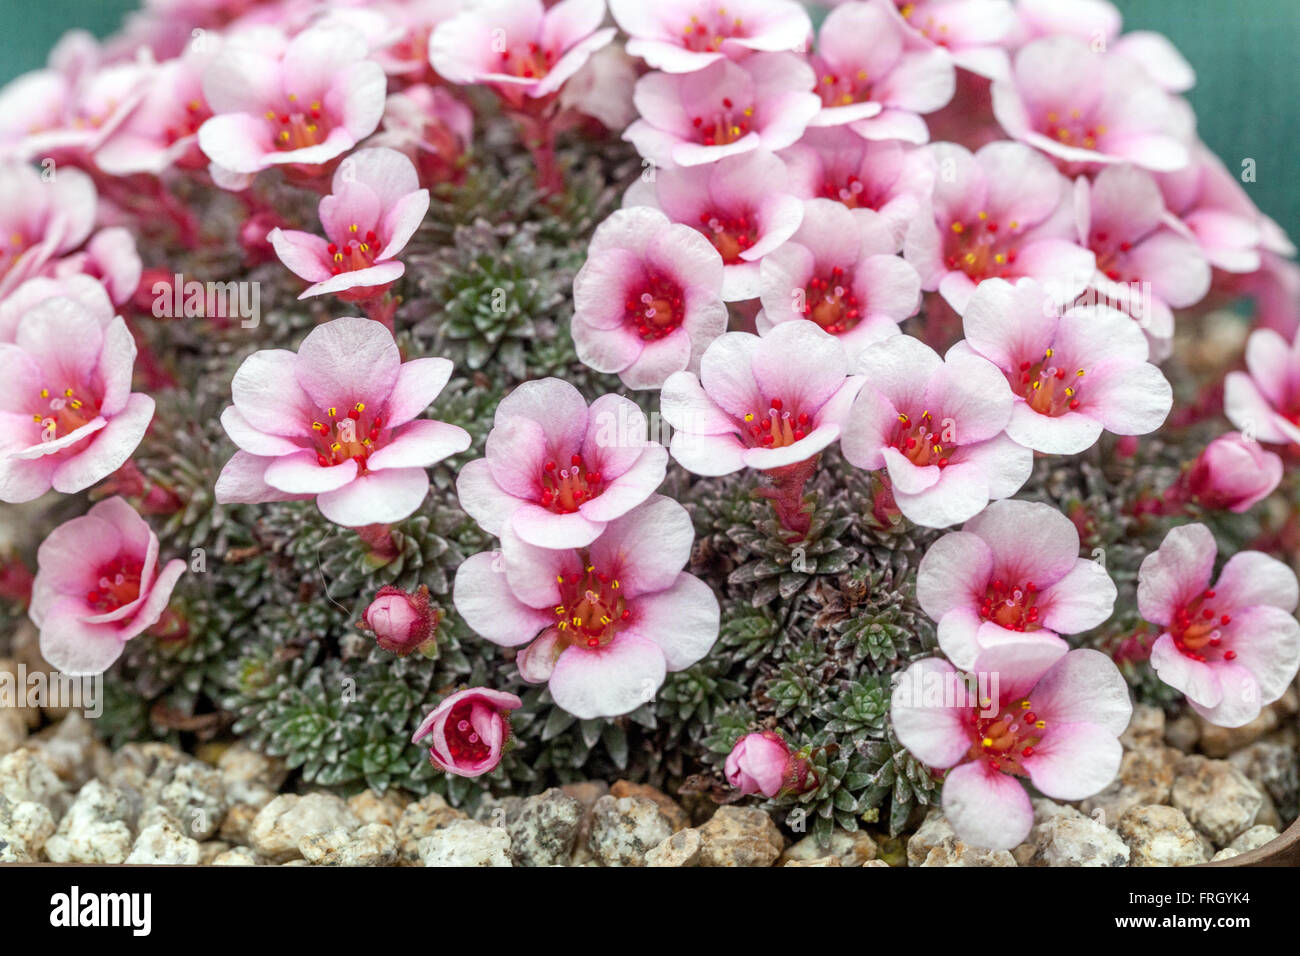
600	625
1231	644
337	421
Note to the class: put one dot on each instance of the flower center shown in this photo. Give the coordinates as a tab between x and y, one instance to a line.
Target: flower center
1195	629
656	309
844	89
58	415
730	235
1047	389
922	445
1071	129
830	303
705	34
564	489
355	436
778	428
9	257
1110	257
530	61
118	585
1011	606
592	608
931	28
357	252
982	250
1006	739
188	125
298	129
853	192
726	126
463	742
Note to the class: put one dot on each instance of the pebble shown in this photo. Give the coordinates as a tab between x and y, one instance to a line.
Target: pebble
163	844
851	849
250	777
1145	777
371	807
1183	733
935	844
1162	836
1221	741
13	730
284	823
1252	839
95	829
677	816
373	844
238	822
1217	798
72	751
1273	767
1062	836
624	829
1146	728
683	848
422	819
740	836
24	828
24	777
466	843
545	829
195	796
817	861
237	856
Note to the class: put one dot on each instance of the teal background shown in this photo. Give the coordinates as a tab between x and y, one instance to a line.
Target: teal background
1244	52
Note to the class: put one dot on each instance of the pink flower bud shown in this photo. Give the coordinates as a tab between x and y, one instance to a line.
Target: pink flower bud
401	622
1234	473
469	730
762	763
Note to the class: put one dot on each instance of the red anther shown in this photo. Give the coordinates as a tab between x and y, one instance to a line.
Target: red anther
1207	593
1074	404
550	466
726	102
1229	655
803	418
1024	366
1027	752
943	462
776	403
1226	619
1207	613
1031	717
322	461
353	414
593	477
626	614
331	248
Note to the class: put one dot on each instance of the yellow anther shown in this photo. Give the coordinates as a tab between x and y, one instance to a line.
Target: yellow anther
988	741
1040	724
957	227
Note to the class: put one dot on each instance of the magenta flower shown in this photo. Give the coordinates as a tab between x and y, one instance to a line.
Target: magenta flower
556	471
374	207
1083	107
1264	401
302	102
738	204
1234	473
648	300
98	585
522	49
1232	647
970	31
40	220
763	102
401	622
882	175
1040	714
337	421
469	730
760	403
762	763
839	271
938	428
1073	375
68	417
613	618
1003	212
881	87
1013	569
1122	219
683	36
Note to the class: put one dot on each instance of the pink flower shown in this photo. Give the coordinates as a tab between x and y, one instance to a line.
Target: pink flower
1234	473
40	219
880	87
1142	262
613	618
470	728
1013	570
763	102
603	88
431	128
401	622
1231	647
1073	375
337	421
519	47
683	36
87	292
762	763
397	31
98	585
111	257
374	207
970	31
68	417
1084	107
882	175
648	300
738	204
1028	710
938	427
1003	212
302	102
1264	401
760	403
839	272
556	471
